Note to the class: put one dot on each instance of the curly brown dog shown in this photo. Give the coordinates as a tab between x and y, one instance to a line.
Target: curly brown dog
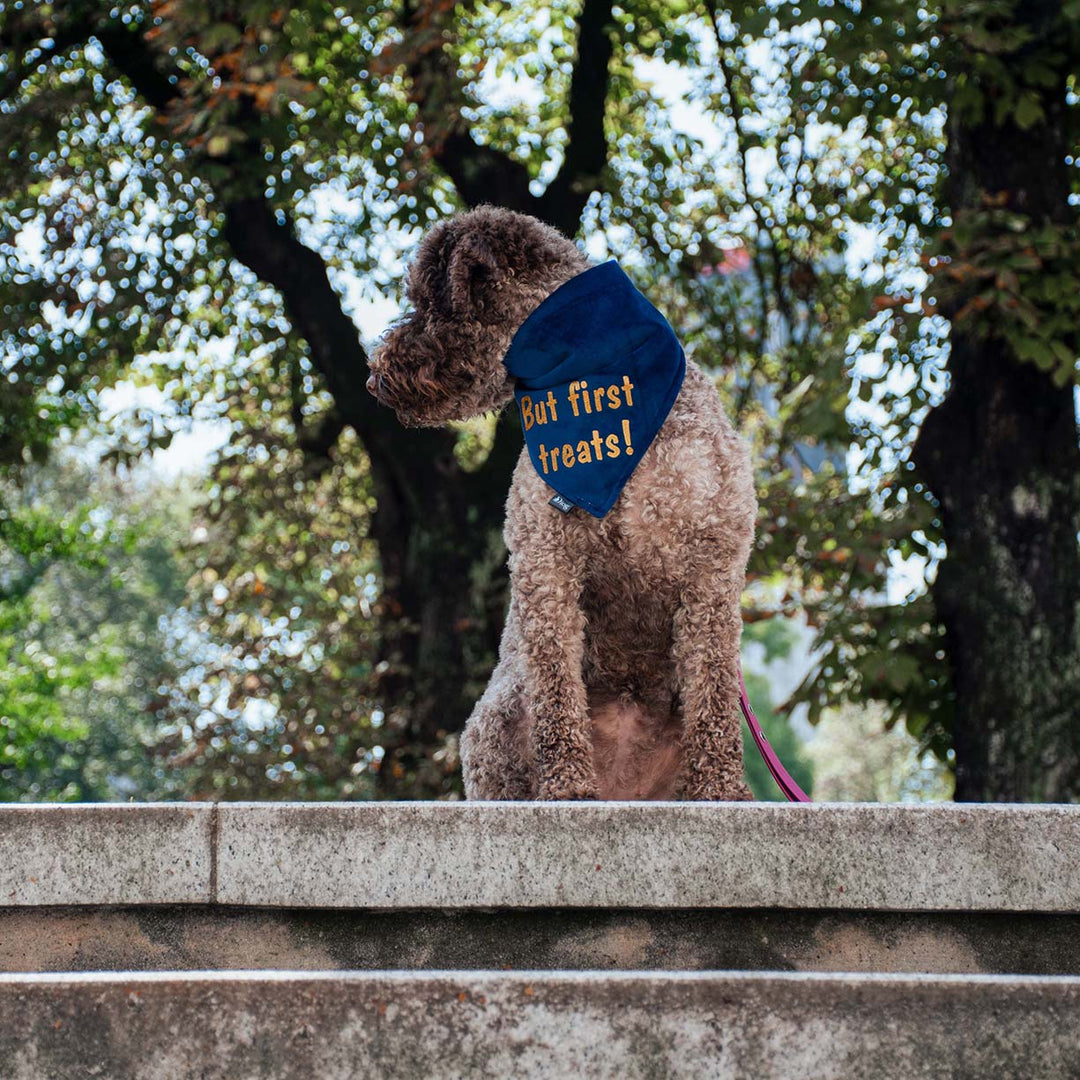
618	671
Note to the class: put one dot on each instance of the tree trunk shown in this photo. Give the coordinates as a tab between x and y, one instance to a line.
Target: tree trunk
442	605
1001	456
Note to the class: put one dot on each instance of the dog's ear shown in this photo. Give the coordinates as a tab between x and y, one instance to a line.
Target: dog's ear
473	274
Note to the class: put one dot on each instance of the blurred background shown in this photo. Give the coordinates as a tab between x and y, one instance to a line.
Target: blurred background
225	572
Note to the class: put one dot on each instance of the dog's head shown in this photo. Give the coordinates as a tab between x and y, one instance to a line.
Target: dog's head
475	280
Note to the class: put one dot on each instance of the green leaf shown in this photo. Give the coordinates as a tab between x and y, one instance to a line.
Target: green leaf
1029	110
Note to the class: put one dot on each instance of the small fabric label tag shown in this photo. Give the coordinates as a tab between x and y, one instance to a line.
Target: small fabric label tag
561	502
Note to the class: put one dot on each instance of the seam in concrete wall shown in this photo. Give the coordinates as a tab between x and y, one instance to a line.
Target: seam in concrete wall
214	827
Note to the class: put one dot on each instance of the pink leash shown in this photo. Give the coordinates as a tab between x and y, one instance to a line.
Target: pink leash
788	786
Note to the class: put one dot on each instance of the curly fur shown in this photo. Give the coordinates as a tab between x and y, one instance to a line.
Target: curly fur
618	666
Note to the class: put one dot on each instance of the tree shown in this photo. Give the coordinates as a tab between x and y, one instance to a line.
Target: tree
195	194
999	451
225	96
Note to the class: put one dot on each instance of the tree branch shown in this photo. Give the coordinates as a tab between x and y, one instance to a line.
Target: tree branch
586	144
483	174
16	75
272	250
268	245
318	443
763	228
126	50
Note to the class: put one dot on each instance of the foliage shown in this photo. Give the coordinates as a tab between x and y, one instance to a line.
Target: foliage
1025	278
32	540
86	598
857	759
899	68
807	336
277	699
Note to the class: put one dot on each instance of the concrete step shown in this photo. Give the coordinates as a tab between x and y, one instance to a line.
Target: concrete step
614	856
934	889
494	1024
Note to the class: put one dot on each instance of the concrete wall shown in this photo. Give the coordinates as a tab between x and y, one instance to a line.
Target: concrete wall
711	940
394	856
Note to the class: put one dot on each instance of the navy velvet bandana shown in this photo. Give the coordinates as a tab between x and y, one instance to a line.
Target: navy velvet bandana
598	369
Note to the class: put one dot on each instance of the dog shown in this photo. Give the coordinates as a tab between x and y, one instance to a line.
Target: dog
618	670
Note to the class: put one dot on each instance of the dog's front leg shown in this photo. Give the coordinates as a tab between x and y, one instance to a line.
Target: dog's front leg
708	629
547	586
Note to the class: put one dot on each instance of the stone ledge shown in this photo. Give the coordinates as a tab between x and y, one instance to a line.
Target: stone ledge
107	853
394	856
484	1024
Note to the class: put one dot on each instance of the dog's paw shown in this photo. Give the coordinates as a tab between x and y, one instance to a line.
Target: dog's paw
568	791
569	779
715	789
